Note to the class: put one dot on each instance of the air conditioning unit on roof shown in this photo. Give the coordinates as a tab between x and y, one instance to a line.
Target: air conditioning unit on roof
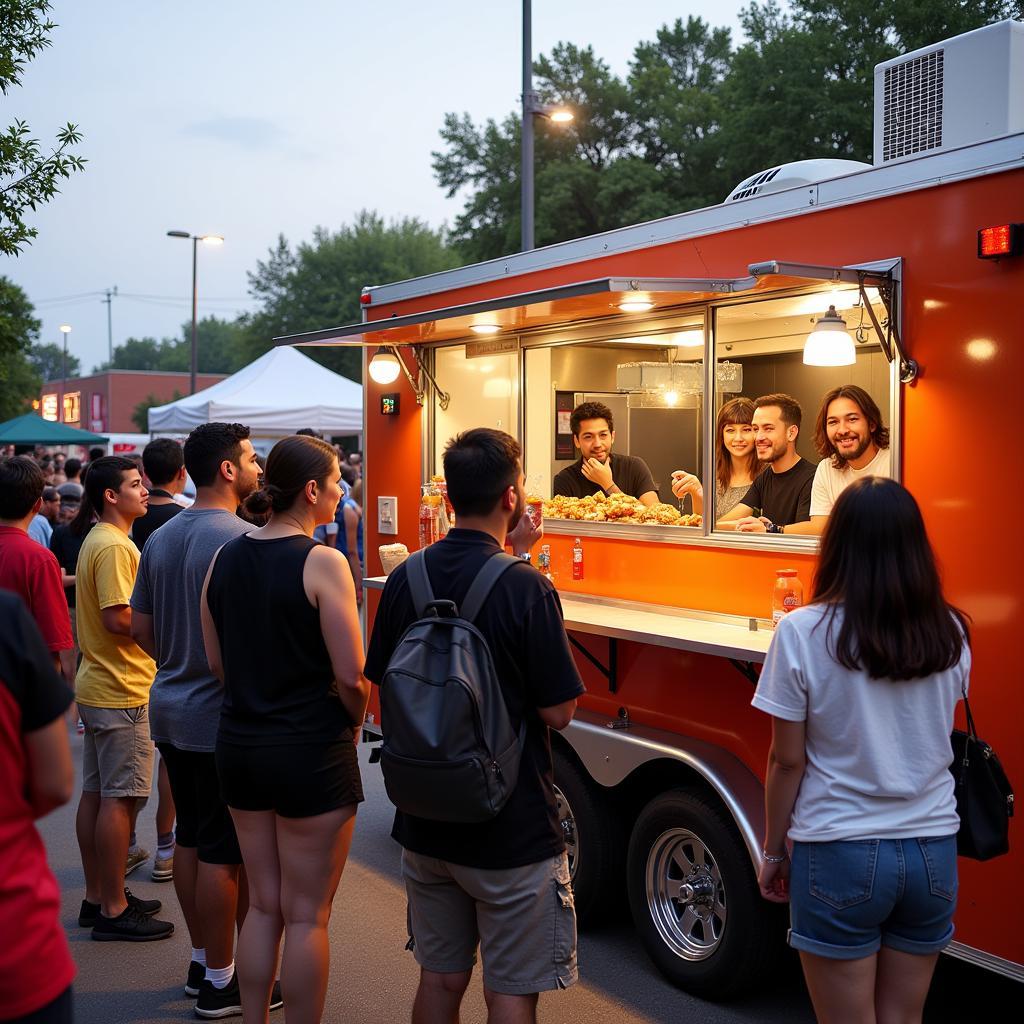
954	93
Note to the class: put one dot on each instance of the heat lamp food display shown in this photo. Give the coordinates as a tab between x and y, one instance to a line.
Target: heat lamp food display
616	508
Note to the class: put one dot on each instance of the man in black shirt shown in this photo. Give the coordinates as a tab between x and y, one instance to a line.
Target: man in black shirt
164	464
492	883
597	469
782	493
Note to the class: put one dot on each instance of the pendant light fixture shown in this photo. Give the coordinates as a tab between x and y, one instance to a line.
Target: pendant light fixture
384	366
829	344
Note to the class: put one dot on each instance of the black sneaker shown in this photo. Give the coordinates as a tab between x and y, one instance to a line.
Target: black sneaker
90	912
214	1003
196	974
131	926
276	999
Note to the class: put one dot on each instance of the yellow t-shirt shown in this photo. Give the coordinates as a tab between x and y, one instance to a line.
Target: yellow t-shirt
115	672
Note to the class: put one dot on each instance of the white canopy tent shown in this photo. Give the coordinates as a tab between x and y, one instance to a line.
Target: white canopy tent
275	395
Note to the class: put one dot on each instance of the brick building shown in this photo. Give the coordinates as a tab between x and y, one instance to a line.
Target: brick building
104	402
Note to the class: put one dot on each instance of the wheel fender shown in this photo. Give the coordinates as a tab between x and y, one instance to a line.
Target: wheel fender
610	755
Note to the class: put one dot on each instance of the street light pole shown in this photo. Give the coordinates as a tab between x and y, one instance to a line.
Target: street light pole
526	154
196	239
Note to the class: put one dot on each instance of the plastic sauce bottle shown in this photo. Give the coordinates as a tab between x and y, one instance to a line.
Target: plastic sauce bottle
577	559
544	561
787	594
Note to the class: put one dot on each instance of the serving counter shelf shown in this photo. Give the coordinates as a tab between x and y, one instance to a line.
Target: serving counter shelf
741	640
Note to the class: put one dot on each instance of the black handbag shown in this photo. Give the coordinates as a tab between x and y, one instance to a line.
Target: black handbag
984	795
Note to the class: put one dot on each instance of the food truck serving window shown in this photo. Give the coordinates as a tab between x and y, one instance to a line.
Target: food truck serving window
626	431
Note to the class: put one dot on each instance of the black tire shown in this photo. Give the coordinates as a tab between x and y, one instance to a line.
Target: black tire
719	938
594	839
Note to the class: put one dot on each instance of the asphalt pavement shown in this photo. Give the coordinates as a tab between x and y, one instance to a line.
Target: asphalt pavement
373	978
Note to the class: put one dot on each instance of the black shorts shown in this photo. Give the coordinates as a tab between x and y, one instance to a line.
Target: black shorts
59	1011
204	822
294	780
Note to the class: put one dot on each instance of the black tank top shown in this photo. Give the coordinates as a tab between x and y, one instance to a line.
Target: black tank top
278	680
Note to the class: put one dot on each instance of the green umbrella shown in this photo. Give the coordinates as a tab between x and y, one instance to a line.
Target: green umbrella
33	429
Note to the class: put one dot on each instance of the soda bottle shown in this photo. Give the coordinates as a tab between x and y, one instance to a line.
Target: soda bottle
429	516
544	561
534	503
787	594
577	559
448	519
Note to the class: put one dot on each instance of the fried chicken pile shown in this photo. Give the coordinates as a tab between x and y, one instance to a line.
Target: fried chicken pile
616	508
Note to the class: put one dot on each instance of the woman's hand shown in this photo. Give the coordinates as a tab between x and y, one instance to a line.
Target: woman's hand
684	483
773	881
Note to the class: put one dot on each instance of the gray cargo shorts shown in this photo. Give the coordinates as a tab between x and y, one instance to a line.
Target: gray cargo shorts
523	919
117	751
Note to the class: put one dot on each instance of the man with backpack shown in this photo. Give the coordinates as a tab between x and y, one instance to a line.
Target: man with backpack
483	854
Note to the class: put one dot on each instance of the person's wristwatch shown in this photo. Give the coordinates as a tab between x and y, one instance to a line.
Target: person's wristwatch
774	528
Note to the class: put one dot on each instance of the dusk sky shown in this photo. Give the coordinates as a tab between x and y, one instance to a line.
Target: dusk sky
254	118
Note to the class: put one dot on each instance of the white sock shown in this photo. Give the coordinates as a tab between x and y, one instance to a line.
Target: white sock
199	956
220	977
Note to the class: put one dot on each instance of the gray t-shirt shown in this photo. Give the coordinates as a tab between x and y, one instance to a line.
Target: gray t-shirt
184	703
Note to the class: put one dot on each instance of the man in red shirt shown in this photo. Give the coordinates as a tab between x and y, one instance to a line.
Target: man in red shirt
36	776
29	569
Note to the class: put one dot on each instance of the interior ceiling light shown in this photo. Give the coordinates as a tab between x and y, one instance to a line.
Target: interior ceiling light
384	366
693	338
636	305
829	344
484	328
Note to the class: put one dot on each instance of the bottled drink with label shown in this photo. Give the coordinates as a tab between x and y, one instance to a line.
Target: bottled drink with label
447	512
430	515
577	559
787	594
534	502
544	561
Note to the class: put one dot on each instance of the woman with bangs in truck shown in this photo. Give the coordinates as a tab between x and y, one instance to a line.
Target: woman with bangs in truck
736	463
862	685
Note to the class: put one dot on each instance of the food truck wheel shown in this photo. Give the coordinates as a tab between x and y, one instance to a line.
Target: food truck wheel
694	898
594	841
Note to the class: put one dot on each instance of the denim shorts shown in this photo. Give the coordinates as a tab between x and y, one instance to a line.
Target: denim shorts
848	899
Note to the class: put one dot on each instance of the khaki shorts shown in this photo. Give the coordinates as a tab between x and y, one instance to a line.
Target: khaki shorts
117	751
523	919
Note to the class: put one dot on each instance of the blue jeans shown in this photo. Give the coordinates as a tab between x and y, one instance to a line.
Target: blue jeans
848	898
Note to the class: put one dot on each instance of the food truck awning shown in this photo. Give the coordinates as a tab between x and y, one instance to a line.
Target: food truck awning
584	301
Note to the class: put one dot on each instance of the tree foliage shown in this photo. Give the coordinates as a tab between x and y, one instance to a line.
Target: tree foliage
219	345
47	362
19	328
29	174
693	117
317	284
140	414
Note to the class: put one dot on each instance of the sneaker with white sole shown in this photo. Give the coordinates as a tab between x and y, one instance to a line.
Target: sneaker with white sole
136	856
214	1003
163	869
195	978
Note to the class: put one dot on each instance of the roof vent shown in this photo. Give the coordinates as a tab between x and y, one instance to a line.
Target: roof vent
793	175
957	92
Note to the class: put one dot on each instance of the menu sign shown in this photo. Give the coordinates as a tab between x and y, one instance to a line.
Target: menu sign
563	430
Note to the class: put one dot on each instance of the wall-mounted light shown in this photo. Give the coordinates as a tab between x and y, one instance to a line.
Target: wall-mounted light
829	344
692	338
384	366
484	328
635	305
387	364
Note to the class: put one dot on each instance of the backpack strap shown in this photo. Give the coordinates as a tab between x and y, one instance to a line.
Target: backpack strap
481	587
420	590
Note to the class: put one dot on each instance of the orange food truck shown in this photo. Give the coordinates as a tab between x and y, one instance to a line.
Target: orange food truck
921	253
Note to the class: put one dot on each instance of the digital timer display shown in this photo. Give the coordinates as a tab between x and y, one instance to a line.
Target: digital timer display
389	405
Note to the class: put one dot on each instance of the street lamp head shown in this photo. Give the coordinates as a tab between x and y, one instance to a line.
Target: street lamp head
178	234
65	328
212	239
562	116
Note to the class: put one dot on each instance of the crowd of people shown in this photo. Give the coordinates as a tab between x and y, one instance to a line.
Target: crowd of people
232	641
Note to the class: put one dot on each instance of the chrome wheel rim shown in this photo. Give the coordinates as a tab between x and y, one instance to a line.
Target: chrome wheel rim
567	823
685	894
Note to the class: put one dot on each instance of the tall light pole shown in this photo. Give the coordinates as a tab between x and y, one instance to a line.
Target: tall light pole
196	239
65	329
531	107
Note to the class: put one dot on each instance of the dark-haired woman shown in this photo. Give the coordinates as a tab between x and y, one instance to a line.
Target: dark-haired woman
862	685
282	631
736	462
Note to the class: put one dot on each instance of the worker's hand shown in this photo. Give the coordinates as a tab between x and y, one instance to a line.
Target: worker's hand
599	473
684	483
773	881
525	535
752	524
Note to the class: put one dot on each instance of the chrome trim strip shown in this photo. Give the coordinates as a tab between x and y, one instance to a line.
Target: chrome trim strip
989	961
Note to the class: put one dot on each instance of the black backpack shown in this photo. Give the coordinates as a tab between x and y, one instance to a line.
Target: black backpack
450	751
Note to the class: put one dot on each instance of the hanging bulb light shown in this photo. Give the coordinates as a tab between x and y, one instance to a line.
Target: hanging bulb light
384	366
829	344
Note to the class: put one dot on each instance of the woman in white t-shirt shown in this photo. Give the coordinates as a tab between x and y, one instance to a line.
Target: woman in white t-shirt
862	685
